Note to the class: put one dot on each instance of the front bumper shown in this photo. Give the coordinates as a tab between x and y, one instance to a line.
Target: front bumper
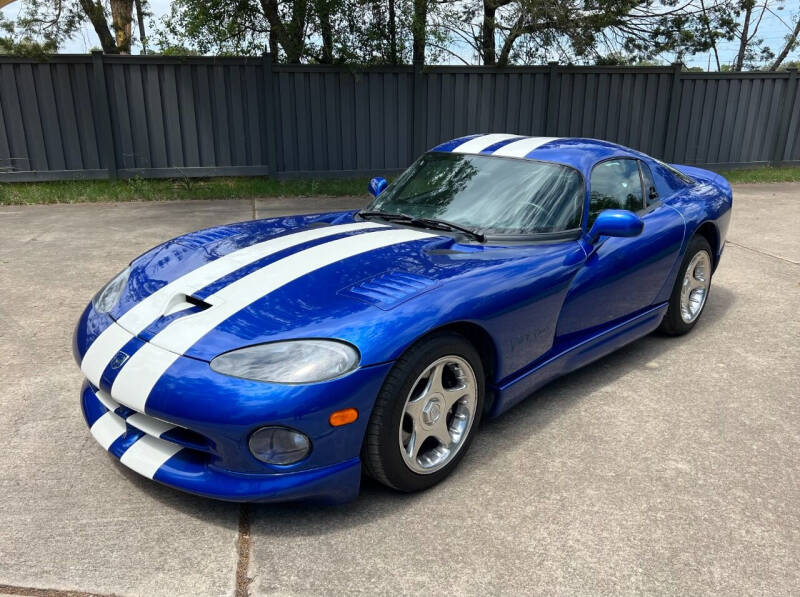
190	429
160	451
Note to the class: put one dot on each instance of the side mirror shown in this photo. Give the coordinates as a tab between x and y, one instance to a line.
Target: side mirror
616	222
376	185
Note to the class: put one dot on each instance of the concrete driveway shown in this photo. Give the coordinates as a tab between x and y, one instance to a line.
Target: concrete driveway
670	467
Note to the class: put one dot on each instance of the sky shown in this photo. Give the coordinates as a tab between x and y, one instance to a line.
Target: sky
772	30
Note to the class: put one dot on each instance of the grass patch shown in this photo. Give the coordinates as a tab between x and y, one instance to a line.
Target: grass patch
769	174
141	189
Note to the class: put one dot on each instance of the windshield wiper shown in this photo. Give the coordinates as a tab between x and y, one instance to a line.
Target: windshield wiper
443	225
386	215
424	223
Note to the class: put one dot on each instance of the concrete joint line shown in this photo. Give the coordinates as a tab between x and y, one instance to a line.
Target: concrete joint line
34	592
242	564
243	552
764	253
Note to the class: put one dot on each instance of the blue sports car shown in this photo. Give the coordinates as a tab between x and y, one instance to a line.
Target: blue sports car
273	359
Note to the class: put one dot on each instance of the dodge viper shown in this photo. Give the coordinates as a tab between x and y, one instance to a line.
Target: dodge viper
280	359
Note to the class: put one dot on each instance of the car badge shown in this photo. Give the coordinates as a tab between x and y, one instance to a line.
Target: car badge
119	360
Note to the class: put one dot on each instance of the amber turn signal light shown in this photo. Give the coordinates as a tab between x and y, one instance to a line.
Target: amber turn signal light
343	417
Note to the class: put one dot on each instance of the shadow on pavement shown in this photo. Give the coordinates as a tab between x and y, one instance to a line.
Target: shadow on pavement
215	512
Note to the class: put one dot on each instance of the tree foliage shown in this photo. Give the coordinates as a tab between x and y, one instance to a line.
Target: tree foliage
317	31
491	32
47	24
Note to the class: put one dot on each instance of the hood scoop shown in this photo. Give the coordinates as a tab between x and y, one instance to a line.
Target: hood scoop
183	302
179	306
389	289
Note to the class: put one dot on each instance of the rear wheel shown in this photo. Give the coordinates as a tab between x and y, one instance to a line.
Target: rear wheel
690	293
426	414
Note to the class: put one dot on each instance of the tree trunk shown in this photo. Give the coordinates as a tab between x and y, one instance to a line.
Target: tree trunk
488	33
418	27
788	47
326	32
392	34
297	29
97	17
513	35
273	44
140	19
710	34
122	19
291	37
737	66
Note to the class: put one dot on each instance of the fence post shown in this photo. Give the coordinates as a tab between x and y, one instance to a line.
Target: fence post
270	126
553	92
102	116
668	154
787	103
419	113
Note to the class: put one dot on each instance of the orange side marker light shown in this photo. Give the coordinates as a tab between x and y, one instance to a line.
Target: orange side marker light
343	417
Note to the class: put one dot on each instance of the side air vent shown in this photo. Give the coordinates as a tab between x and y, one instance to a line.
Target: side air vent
389	289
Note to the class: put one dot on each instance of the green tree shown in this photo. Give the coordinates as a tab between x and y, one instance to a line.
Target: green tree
623	31
50	23
791	44
319	31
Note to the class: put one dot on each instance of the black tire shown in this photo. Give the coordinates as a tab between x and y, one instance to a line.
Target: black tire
381	454
673	324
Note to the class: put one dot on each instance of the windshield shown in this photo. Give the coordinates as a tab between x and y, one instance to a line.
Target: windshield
491	194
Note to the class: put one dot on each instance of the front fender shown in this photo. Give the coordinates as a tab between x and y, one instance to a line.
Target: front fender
516	305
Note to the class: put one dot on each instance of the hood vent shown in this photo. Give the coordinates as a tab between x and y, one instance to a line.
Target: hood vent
183	302
389	289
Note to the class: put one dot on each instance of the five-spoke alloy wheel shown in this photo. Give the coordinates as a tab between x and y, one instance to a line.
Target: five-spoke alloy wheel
425	414
690	292
438	414
694	289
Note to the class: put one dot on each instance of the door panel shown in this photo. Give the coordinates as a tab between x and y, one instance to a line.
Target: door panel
623	275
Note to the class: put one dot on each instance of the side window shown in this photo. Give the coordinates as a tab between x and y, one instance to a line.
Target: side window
615	184
668	180
650	191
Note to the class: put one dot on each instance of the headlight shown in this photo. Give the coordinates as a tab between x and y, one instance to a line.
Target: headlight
289	362
279	445
105	300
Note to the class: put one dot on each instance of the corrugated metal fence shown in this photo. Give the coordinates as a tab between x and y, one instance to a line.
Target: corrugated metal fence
96	116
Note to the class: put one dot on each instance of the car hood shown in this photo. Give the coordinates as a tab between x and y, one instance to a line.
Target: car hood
319	276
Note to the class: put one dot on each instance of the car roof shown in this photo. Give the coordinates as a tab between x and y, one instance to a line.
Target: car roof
578	152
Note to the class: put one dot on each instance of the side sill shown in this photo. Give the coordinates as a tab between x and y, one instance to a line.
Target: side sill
573	357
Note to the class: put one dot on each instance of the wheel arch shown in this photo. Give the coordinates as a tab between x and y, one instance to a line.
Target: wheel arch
709	231
483	342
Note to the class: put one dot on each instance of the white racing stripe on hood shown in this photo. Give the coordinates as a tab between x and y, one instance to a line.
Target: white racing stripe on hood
143	370
478	144
102	350
521	148
146	311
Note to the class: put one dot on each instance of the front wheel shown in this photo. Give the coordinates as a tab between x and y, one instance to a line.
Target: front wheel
690	293
426	414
